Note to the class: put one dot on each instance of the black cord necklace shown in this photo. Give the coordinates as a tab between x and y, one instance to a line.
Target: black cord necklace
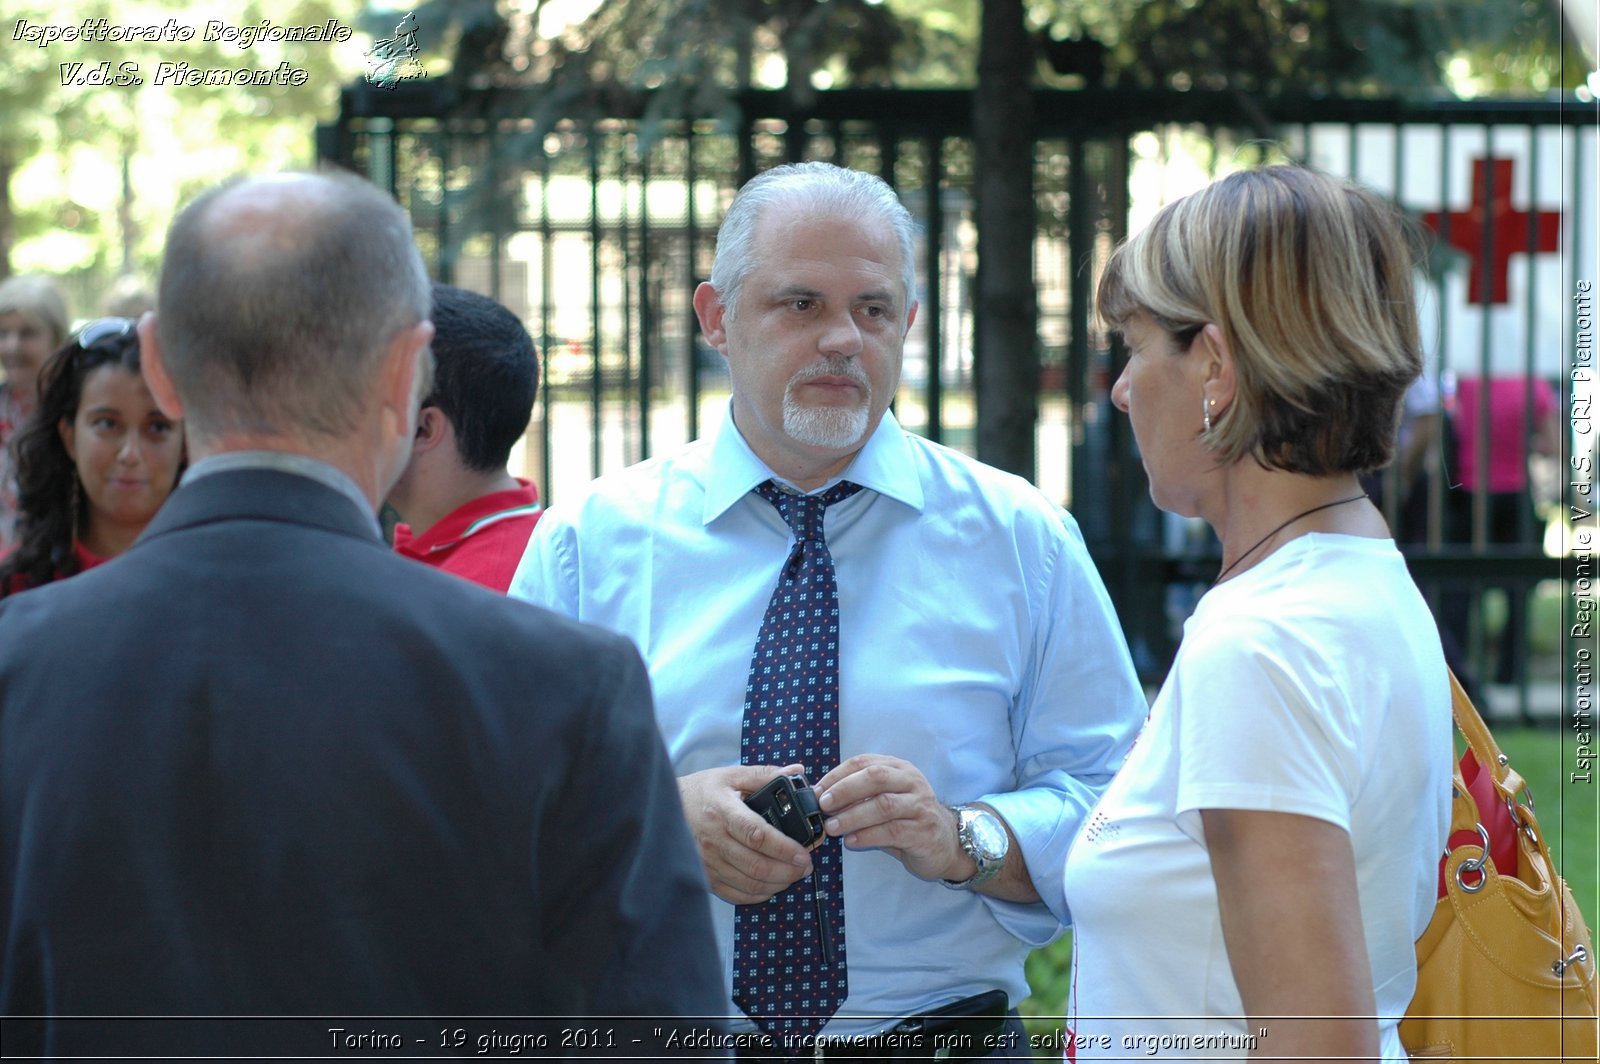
1303	513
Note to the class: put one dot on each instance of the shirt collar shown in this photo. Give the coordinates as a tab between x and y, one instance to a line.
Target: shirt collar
284	462
884	464
474	516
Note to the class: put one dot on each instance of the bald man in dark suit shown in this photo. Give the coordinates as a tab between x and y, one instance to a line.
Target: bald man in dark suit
261	766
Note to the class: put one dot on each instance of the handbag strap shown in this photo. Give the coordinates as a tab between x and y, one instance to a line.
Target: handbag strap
1507	781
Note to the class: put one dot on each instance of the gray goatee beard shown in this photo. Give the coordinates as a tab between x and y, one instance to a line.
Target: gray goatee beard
827	426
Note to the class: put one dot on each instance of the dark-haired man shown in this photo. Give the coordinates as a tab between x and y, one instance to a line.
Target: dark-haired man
463	511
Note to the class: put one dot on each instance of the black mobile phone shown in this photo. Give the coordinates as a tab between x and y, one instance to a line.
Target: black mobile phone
789	804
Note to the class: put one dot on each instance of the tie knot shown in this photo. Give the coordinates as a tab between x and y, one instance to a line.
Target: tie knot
803	513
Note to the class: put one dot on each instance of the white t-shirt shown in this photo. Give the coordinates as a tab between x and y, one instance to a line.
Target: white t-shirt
1313	684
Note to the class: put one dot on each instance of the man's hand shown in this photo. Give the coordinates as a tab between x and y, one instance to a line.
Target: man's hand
747	860
878	802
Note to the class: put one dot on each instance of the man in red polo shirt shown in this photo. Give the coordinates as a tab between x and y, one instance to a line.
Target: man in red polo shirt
462	510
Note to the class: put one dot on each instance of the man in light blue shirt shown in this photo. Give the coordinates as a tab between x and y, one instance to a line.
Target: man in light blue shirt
984	681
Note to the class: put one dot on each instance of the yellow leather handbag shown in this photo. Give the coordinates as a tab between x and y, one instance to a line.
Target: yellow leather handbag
1506	967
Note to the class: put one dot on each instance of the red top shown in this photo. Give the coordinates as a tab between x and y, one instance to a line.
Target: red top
482	541
86	561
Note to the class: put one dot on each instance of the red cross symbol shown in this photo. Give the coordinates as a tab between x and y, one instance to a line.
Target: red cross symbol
1498	224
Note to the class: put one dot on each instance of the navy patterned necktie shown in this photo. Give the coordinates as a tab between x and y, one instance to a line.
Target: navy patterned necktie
789	952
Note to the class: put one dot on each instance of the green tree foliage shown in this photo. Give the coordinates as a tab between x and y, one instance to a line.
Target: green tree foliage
689	53
667	59
90	171
1350	47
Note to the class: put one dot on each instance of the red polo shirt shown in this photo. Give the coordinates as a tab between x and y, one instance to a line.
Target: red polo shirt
482	541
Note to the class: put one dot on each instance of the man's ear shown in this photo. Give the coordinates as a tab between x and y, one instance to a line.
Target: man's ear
154	369
712	314
1220	381
433	429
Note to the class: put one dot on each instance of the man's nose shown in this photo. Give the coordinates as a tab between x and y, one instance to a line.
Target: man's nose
842	334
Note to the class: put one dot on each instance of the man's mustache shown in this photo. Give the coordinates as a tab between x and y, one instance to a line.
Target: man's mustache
844	367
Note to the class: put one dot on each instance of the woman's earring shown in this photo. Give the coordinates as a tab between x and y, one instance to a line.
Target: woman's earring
1208	404
77	492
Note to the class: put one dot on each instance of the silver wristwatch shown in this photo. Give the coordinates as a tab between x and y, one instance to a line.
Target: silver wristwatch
984	838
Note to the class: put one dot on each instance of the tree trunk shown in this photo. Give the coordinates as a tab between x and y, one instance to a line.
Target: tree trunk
1005	358
8	225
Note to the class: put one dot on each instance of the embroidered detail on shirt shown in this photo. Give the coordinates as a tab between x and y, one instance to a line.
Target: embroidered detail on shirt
1099	825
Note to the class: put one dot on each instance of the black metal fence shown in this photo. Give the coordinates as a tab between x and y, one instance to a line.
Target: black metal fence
596	231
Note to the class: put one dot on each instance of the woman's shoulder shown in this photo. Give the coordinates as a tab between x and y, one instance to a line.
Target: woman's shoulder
1319	591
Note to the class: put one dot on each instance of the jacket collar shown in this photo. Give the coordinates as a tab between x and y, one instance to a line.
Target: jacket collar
261	494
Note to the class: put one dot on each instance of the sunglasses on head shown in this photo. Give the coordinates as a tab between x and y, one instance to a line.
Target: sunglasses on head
104	329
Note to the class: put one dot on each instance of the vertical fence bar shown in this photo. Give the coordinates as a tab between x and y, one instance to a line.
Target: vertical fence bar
691	354
646	315
596	237
625	251
443	143
1480	443
546	308
933	329
1525	522
1080	306
1441	288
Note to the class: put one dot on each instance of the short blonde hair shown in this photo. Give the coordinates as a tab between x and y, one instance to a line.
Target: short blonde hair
38	297
1310	280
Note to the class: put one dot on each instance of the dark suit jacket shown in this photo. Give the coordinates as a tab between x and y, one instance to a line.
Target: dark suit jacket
261	765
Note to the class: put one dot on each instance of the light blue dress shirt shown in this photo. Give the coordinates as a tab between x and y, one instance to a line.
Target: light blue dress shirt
976	642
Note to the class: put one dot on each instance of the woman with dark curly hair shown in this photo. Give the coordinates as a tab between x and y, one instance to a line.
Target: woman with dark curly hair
94	463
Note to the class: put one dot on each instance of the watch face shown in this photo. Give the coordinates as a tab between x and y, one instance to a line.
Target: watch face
988	835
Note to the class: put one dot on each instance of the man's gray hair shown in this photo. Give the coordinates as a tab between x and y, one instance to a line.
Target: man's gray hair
848	195
276	324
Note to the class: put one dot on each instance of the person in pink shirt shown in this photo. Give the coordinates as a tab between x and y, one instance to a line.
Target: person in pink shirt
1510	518
461	509
1509	399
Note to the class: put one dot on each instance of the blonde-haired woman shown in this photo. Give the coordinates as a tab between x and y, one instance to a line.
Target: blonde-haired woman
1270	849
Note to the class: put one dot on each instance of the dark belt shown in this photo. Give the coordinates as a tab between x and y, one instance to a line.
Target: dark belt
969	1029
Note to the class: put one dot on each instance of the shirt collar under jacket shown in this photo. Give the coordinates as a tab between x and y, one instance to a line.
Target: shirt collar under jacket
883	465
284	462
